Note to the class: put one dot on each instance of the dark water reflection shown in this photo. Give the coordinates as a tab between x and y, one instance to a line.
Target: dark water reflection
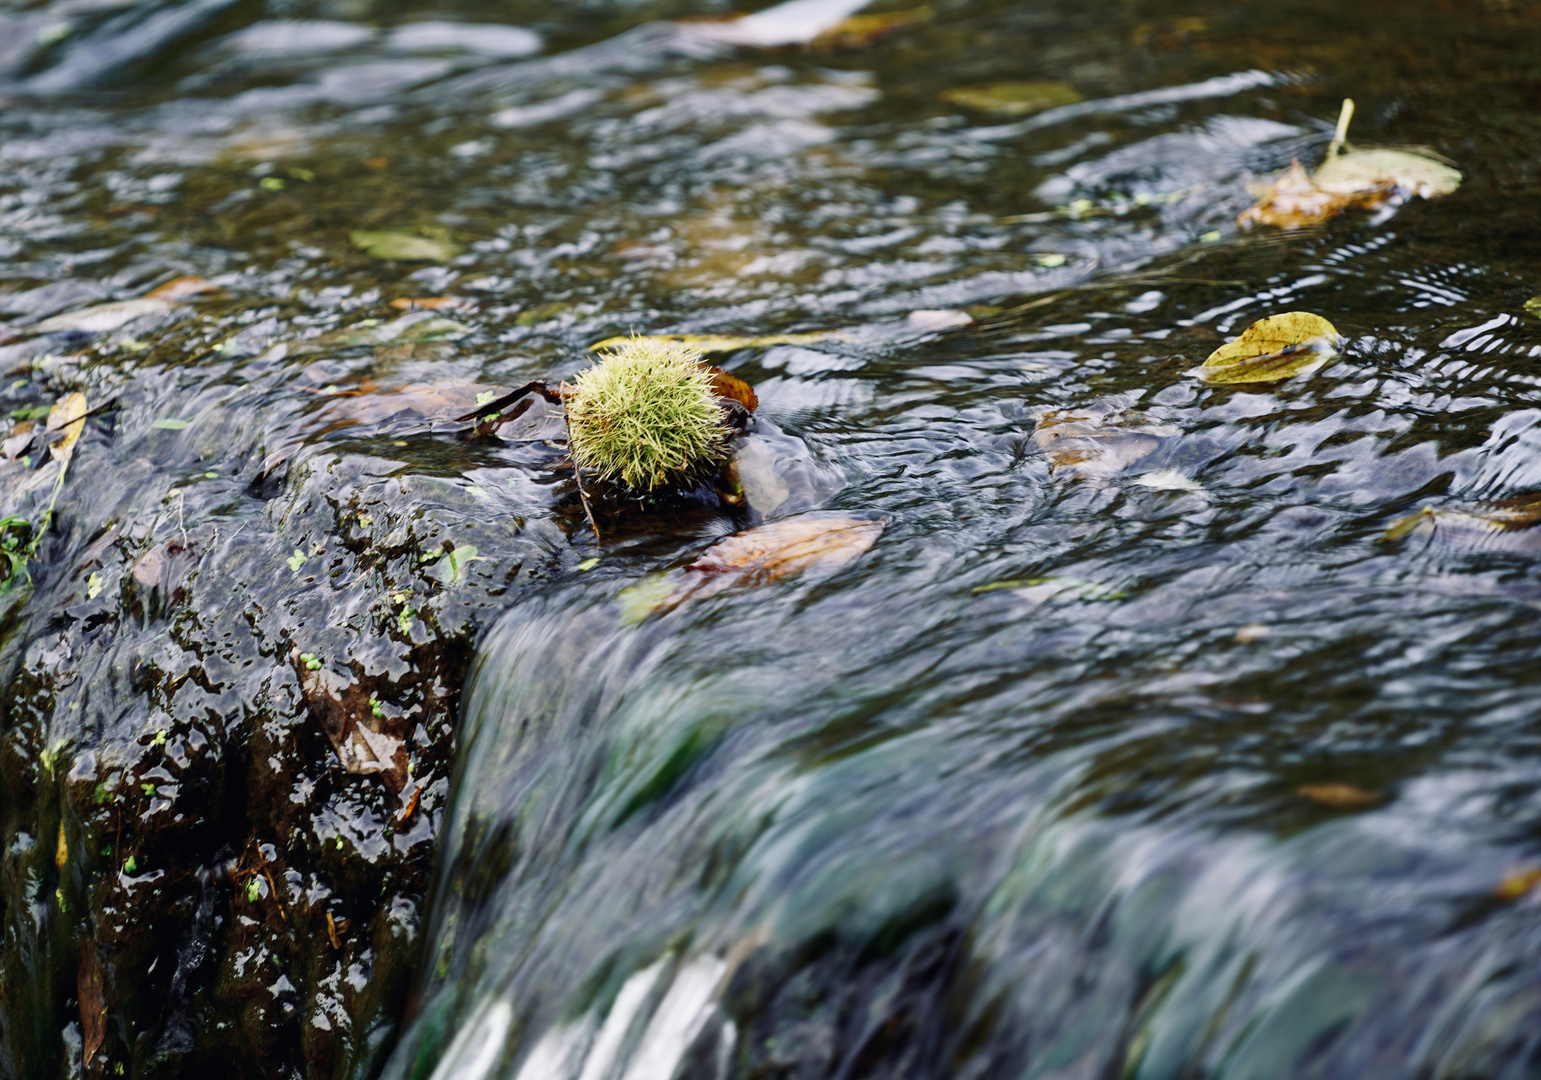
1021	792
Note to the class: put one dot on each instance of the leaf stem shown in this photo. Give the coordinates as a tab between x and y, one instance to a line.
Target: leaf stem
1339	136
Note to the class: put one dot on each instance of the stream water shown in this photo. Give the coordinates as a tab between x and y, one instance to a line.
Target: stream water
1140	744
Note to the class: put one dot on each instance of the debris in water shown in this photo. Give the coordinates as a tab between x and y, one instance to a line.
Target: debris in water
1273	349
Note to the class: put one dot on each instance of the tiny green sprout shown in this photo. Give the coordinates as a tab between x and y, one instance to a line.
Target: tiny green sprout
1210	237
375	708
430	556
106	850
645	415
102	794
405	619
296	560
131	866
302	174
148	789
160	737
339	843
271	183
589	564
94	585
311	661
1052	260
484	397
365	520
253	889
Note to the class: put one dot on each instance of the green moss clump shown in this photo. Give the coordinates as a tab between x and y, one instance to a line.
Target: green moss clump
646	415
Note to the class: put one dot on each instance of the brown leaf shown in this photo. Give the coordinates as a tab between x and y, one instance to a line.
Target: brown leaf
1518	883
165	567
19	440
366	744
1341	795
1294	200
1097	441
178	289
764	554
856	31
428	303
93	1004
732	387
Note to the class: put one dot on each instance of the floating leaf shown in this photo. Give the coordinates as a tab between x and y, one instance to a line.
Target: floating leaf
1340	795
1518	883
104	317
857	31
1097	441
296	560
1508	524
94	585
764	554
1272	349
1362	171
428	303
403	246
451	569
1013	98
181	288
710	343
1358	178
170	423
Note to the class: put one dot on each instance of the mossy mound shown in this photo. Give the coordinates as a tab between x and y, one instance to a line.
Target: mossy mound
646	416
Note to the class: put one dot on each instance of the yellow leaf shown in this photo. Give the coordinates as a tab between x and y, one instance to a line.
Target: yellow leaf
1273	349
1013	98
1373	170
403	246
855	31
712	343
67	415
1518	883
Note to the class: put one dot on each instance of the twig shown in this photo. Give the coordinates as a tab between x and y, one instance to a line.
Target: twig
578	476
1339	136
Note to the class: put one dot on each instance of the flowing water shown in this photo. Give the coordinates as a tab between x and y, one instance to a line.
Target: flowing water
1140	744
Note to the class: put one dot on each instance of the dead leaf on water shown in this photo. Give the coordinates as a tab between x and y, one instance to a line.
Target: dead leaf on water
857	31
1354	178
181	288
1097	441
1273	349
1518	883
1340	795
102	318
767	553
403	246
1506	524
1013	98
67	416
429	303
711	343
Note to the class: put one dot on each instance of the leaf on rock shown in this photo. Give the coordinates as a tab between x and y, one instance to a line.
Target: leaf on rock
711	343
822	543
858	31
366	744
67	416
1013	98
1338	795
733	388
1273	349
403	246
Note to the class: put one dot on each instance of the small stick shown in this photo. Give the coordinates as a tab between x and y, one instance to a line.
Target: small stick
1341	134
578	476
